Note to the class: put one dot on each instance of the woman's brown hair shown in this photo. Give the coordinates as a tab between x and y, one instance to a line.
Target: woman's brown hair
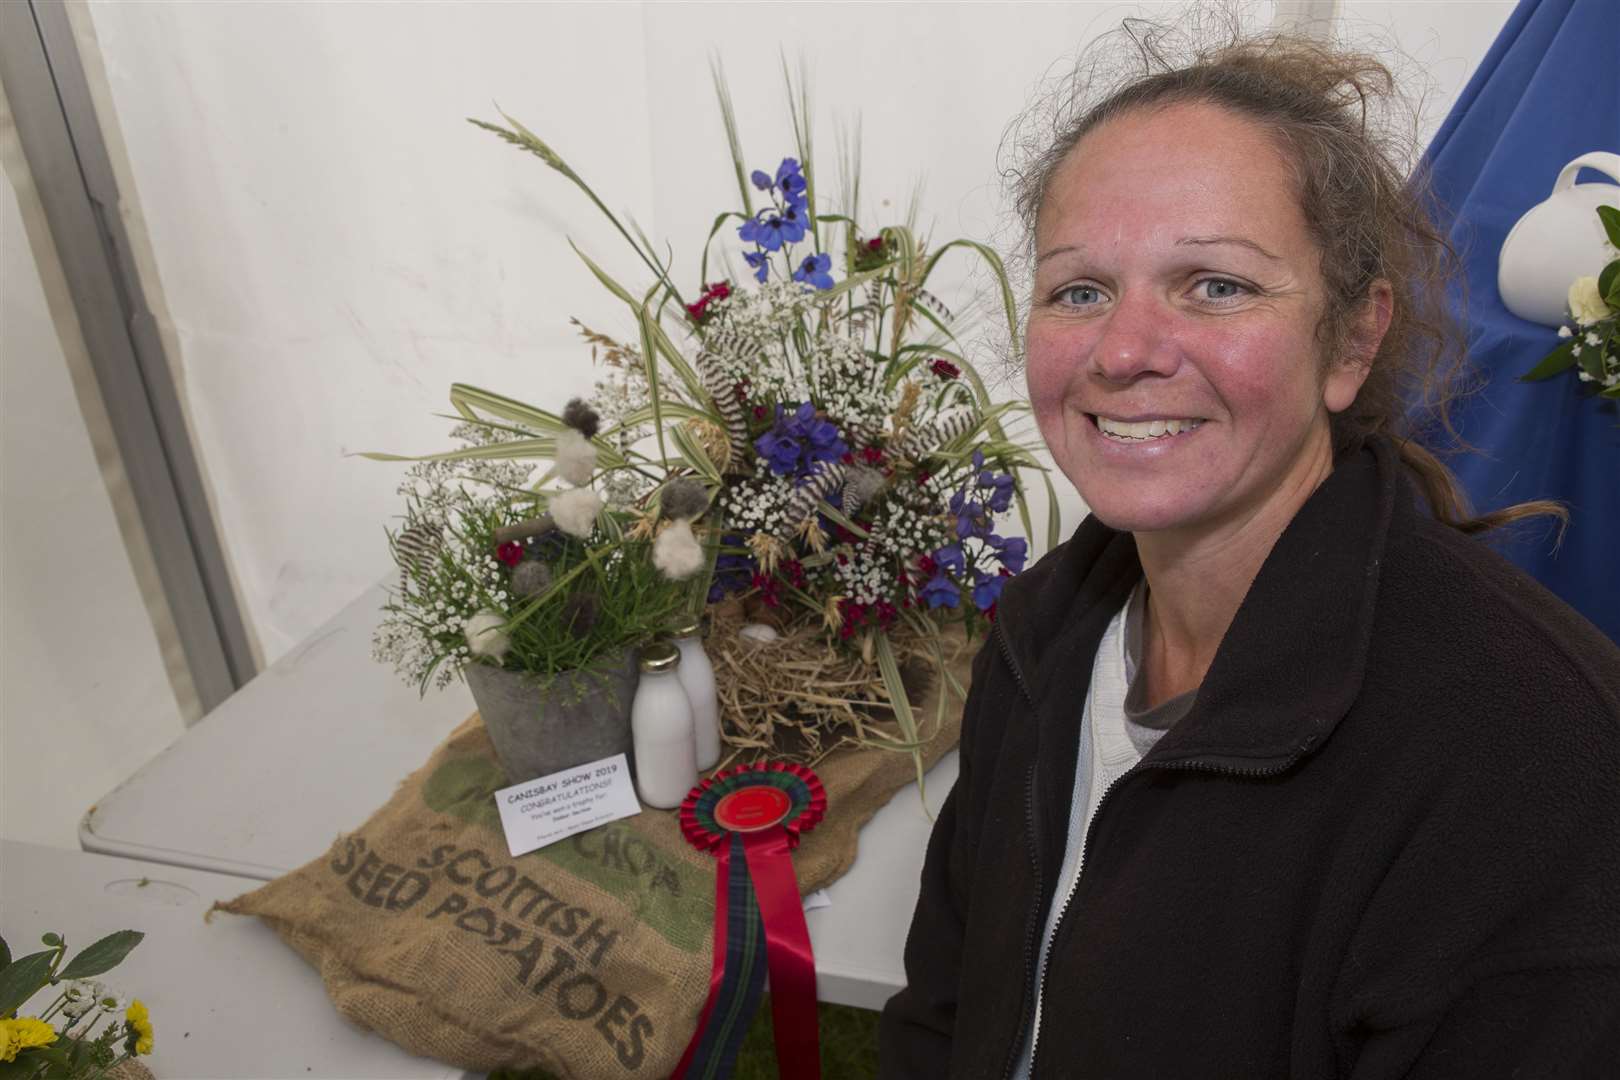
1370	219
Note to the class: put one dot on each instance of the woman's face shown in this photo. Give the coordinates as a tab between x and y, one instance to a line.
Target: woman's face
1173	365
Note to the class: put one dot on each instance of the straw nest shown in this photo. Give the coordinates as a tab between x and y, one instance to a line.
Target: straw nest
799	698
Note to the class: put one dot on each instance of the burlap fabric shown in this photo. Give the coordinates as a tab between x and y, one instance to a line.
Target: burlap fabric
588	958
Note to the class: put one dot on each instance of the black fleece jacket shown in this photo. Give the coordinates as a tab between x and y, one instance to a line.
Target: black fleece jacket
1385	842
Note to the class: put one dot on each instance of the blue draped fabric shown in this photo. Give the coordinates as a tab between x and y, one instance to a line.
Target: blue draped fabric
1547	92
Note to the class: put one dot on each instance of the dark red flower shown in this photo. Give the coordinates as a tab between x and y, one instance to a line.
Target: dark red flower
927	564
759	412
848	459
510	553
944	368
698	310
923	476
720	290
875	244
871	455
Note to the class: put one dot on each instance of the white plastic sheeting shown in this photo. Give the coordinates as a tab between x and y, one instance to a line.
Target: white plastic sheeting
335	245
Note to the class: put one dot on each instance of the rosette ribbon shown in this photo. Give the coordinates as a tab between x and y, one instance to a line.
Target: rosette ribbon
750	818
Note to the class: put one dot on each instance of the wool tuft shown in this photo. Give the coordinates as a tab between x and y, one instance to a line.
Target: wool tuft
677	552
575	511
582	418
683	499
576	458
484	634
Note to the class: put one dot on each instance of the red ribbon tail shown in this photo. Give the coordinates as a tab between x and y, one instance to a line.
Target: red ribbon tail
717	971
791	963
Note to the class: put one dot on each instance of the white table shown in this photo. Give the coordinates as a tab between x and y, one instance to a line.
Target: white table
224	996
321	739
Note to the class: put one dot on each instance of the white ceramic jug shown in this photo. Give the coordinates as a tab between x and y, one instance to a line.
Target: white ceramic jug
1557	241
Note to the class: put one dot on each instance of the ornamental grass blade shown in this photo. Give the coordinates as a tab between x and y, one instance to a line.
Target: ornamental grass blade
902	709
1008	301
515	450
728	117
470	400
695	456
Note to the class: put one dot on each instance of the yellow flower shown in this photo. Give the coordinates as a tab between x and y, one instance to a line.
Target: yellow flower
141	1024
21	1034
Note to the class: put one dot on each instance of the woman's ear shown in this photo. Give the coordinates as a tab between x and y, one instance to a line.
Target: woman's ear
1368	325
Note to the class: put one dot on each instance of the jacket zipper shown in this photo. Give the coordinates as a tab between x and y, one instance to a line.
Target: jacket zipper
1063	912
1032	935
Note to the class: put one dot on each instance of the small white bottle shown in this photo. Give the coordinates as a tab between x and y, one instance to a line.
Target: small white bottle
697	676
661	726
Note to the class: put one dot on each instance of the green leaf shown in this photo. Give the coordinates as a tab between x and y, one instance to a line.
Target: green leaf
1558	360
1609	284
1592	362
22	979
103	956
5	954
1611	223
53	940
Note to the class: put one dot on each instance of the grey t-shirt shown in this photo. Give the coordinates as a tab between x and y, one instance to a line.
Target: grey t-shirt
1146	726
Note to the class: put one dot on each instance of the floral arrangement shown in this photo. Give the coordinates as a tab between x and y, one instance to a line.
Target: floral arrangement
473	553
1592	334
62	1041
806	438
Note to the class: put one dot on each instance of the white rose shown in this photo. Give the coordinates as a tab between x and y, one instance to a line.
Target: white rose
1586	303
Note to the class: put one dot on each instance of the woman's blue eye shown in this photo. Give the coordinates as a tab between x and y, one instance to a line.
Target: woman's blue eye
1221	288
1081	295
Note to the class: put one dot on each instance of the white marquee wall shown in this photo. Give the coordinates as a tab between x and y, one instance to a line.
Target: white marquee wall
334	245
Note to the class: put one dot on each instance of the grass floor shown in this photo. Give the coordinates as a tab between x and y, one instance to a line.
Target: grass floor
848	1047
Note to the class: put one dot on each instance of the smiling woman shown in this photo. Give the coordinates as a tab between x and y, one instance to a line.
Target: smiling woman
1269	770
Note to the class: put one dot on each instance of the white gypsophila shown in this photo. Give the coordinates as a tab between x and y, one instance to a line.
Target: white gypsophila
760	502
438	490
848	384
900	532
111	1000
746	342
623	488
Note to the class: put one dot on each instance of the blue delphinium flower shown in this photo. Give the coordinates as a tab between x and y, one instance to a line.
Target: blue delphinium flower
940	591
733	570
1011	551
791	180
986	589
798	440
761	262
762	180
950	558
773	227
814	270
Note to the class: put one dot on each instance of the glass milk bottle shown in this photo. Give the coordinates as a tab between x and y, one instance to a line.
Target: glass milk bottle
697	676
661	726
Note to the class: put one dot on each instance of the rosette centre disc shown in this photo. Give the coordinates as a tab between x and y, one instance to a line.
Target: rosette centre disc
753	808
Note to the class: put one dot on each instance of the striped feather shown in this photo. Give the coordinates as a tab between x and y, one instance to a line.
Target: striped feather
947	427
820	484
415	547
